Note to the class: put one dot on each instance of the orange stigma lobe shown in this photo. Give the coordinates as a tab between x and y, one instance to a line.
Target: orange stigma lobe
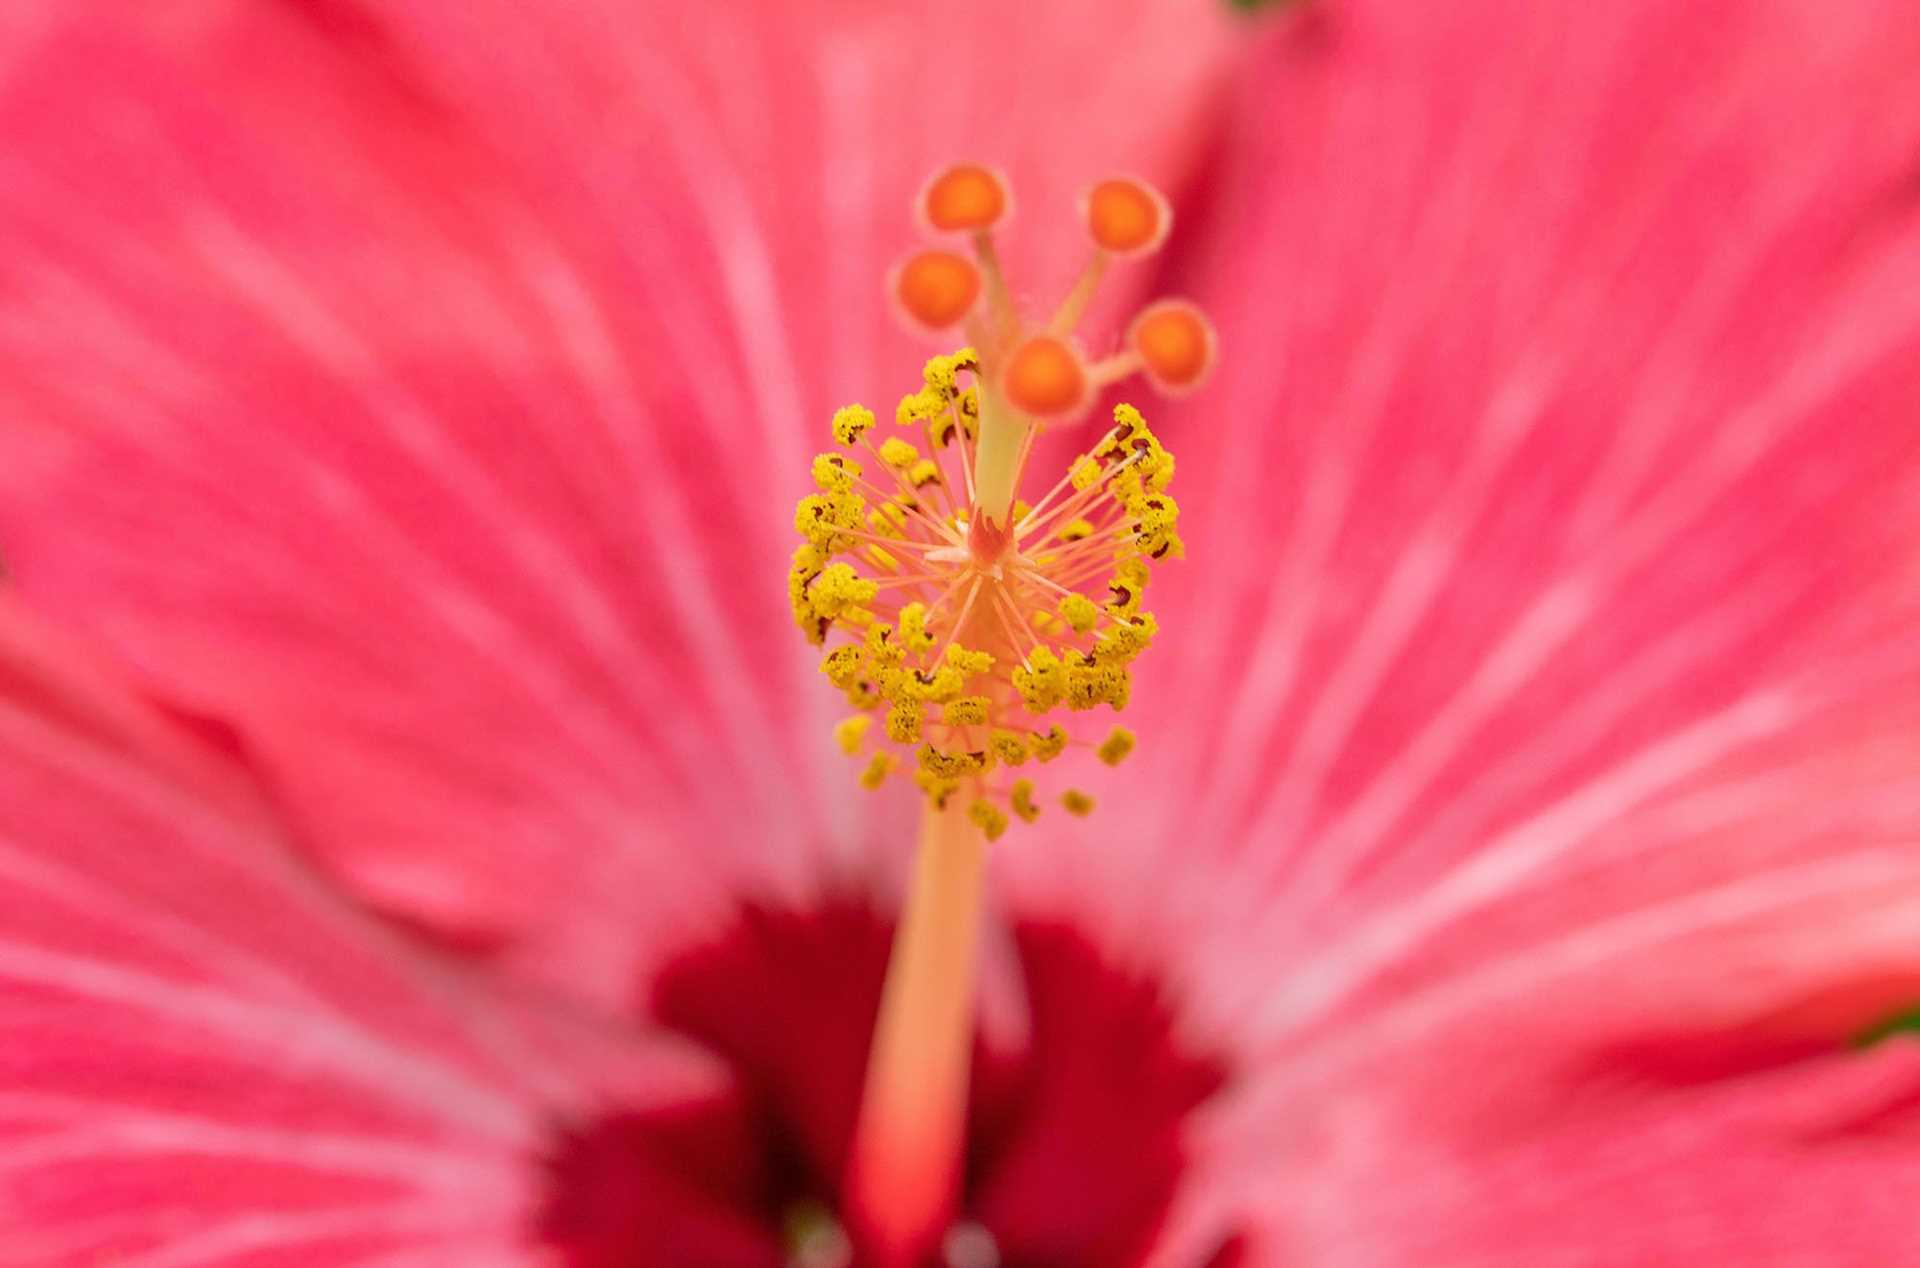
1044	377
936	289
1175	344
1127	217
966	197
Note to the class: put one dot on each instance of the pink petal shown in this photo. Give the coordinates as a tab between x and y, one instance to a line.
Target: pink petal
423	393
205	1057
1584	482
1554	546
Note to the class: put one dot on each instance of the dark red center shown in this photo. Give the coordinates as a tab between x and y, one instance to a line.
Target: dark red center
1073	1150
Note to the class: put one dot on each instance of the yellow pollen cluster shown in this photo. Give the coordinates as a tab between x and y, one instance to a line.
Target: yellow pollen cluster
962	662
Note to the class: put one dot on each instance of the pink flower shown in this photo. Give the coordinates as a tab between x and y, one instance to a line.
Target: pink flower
404	415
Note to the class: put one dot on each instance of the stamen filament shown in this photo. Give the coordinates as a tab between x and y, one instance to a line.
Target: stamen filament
1063	482
906	1151
966	609
1011	622
912	512
892	543
1081	498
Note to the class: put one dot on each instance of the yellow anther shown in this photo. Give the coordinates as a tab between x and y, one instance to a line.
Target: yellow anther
850	422
809	559
944	428
1125	639
833	472
924	472
807	562
1129	425
1114	749
1094	684
838	589
968	661
1009	746
1042	682
903	722
940	374
882	650
878	767
913	633
1020	797
864	695
991	819
822	517
921	407
850	733
937	686
1078	611
1021	510
1085	473
936	788
966	711
945	765
1077	530
843	665
1125	587
1076	802
1051	745
1155	511
881	559
898	454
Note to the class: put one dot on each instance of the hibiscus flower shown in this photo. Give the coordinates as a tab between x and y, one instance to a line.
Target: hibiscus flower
425	836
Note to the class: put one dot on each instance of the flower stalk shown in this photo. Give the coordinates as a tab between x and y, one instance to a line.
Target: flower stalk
905	1162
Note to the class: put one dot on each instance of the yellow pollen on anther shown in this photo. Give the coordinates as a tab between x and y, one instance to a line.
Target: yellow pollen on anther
991	820
1114	749
851	732
879	766
968	616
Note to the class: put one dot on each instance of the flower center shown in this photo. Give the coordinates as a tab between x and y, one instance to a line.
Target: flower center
964	621
1070	1156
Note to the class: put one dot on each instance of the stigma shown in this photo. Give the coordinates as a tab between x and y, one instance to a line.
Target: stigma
968	628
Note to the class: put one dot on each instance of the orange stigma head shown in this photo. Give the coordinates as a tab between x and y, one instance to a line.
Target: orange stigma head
1045	377
1175	344
965	198
935	290
1126	217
